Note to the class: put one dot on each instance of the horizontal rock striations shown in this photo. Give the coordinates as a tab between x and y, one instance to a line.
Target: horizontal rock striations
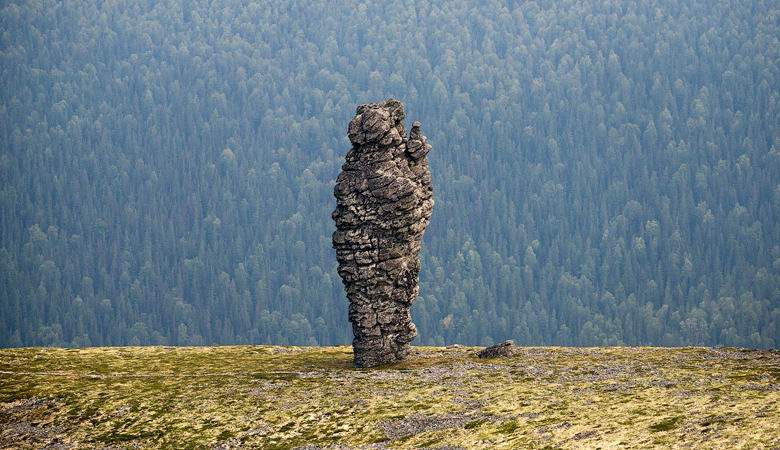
384	201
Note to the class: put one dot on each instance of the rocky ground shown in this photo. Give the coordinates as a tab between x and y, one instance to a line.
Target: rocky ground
312	398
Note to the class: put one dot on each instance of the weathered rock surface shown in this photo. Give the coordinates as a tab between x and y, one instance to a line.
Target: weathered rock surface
384	201
505	349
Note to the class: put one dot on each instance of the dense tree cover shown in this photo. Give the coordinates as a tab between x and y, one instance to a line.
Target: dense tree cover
606	172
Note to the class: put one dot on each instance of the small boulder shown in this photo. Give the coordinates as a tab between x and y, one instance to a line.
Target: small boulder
504	349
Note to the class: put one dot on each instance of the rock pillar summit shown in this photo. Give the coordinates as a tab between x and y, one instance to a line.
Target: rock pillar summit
384	200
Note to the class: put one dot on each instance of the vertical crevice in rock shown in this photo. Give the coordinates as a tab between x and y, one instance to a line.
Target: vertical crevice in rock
384	201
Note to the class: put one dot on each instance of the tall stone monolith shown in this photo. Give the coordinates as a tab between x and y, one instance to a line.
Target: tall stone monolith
384	201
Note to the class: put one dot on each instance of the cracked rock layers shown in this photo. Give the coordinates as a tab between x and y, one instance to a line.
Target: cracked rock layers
384	200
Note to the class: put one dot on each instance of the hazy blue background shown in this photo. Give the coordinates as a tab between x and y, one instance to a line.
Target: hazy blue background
606	172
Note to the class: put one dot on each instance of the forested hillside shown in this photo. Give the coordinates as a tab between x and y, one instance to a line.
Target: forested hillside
606	172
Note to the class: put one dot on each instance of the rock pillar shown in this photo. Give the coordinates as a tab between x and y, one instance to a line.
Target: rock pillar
384	201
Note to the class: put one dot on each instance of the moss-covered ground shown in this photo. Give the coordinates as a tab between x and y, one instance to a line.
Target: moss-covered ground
292	397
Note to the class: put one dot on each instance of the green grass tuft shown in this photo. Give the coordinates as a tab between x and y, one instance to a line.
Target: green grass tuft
666	424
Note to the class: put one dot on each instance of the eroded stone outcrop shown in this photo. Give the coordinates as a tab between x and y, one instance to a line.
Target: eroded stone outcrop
384	201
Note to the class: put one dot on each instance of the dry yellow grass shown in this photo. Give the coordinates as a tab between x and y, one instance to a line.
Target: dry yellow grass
290	397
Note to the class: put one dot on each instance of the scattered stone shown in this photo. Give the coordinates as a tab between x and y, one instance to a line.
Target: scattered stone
120	412
57	444
384	199
23	405
374	446
544	429
504	349
470	404
25	431
230	444
530	415
584	435
418	423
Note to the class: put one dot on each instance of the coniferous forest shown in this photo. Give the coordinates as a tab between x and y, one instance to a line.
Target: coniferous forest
606	172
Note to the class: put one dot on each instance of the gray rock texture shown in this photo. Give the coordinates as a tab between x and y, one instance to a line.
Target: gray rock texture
384	200
503	349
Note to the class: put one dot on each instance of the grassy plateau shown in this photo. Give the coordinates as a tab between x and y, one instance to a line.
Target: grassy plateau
441	398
